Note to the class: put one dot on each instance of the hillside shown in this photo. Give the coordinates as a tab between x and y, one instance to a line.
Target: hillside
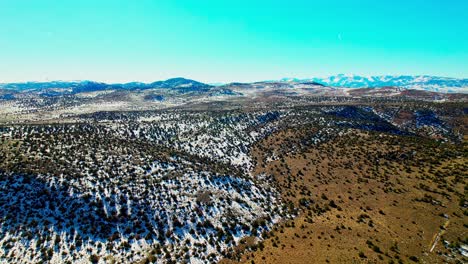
275	175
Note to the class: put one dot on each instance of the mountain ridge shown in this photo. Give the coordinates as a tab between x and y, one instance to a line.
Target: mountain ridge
424	82
88	85
419	82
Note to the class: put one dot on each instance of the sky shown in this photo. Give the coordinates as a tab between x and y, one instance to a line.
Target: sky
223	41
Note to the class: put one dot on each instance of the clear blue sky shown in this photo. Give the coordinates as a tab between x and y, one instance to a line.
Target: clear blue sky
218	41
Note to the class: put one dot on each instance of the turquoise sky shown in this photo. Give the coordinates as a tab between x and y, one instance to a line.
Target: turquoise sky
219	41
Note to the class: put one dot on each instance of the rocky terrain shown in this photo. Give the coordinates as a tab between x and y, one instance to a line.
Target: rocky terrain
179	171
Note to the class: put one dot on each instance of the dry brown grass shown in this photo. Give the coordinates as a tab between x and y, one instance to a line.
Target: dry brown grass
372	191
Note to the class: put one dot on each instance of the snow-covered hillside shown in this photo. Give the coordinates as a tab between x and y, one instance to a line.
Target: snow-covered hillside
167	186
177	185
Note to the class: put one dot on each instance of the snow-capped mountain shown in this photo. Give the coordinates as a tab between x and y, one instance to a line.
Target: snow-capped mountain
182	85
424	82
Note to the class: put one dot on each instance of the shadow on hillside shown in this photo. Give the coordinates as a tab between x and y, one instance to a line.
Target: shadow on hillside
365	119
30	208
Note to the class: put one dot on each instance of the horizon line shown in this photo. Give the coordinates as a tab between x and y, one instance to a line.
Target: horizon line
227	82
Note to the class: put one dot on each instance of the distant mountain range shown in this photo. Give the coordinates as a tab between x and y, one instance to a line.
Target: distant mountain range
429	83
90	86
424	82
